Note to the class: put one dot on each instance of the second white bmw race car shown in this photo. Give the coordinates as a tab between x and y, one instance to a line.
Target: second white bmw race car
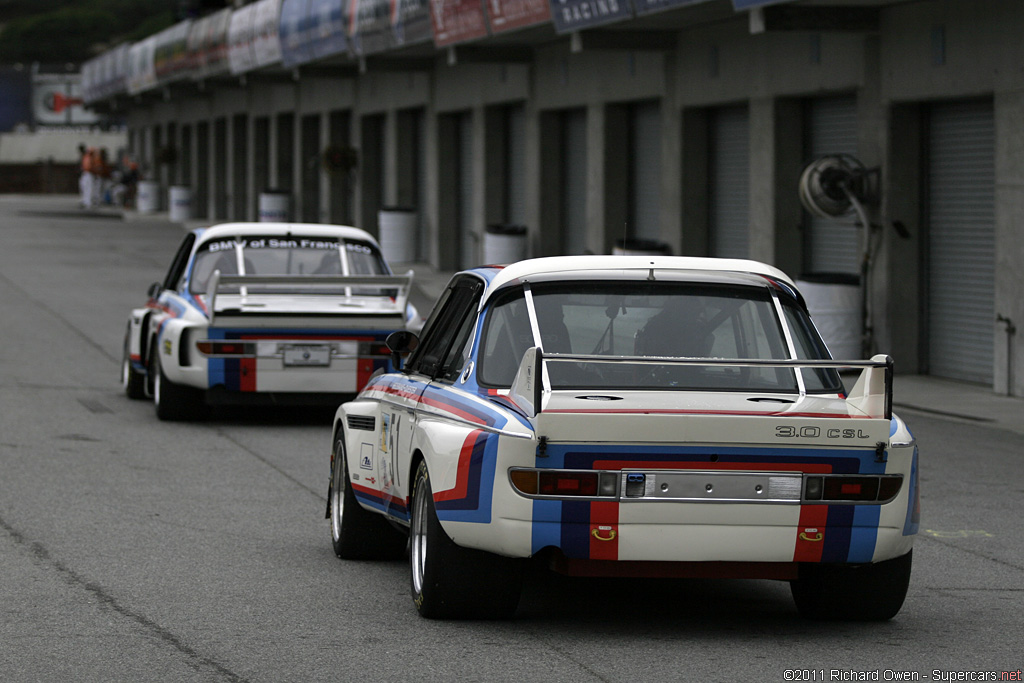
628	416
265	313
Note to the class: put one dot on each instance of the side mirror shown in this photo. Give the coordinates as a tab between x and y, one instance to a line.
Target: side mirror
154	290
399	342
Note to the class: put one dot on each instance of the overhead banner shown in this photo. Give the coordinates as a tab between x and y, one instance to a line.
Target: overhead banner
170	57
141	69
208	44
241	36
456	21
508	15
652	6
574	15
410	22
293	32
370	26
107	74
266	36
327	28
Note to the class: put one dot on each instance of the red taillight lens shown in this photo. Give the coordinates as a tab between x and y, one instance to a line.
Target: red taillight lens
568	483
876	488
225	348
851	488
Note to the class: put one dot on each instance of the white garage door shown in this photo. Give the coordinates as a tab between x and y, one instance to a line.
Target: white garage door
833	244
961	240
729	183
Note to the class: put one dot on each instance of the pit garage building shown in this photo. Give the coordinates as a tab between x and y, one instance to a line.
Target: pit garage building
586	126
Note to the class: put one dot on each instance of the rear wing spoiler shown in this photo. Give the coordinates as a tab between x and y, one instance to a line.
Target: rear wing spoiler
307	285
872	394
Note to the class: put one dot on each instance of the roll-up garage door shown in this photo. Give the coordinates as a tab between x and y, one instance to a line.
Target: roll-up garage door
516	174
833	244
574	181
467	240
729	182
961	240
646	171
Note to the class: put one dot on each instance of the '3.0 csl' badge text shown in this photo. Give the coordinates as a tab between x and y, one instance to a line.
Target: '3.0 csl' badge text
791	432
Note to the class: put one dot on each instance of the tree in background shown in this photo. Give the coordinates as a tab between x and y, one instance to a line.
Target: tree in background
60	31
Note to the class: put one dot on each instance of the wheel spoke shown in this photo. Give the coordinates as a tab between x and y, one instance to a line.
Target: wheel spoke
418	541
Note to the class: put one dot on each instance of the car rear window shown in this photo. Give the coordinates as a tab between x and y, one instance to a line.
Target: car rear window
284	255
653	320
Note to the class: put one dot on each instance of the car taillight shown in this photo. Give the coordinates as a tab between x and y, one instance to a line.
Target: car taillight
852	488
565	483
525	481
225	348
568	483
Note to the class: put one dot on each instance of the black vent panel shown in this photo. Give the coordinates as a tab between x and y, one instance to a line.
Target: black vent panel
364	422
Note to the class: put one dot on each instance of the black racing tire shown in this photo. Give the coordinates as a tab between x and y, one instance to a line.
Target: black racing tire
133	381
174	402
357	533
870	592
452	582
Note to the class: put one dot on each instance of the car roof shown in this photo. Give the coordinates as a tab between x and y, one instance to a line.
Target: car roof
629	267
225	230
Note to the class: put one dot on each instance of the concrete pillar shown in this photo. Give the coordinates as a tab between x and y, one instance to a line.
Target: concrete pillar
478	209
1008	369
389	195
775	166
898	266
549	185
694	187
446	188
607	176
671	165
324	188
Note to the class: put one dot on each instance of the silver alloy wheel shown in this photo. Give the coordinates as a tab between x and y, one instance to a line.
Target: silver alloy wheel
125	369
156	382
418	536
338	493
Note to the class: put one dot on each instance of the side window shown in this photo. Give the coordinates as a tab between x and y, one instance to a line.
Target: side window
458	353
176	273
506	336
451	321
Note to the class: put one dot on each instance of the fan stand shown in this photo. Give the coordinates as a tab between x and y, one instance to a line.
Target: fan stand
833	186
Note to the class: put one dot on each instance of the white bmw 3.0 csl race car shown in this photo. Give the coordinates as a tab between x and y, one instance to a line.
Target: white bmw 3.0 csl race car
627	416
274	313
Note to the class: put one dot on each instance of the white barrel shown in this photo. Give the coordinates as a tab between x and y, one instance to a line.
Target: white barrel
179	202
504	244
274	207
397	229
836	309
147	198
